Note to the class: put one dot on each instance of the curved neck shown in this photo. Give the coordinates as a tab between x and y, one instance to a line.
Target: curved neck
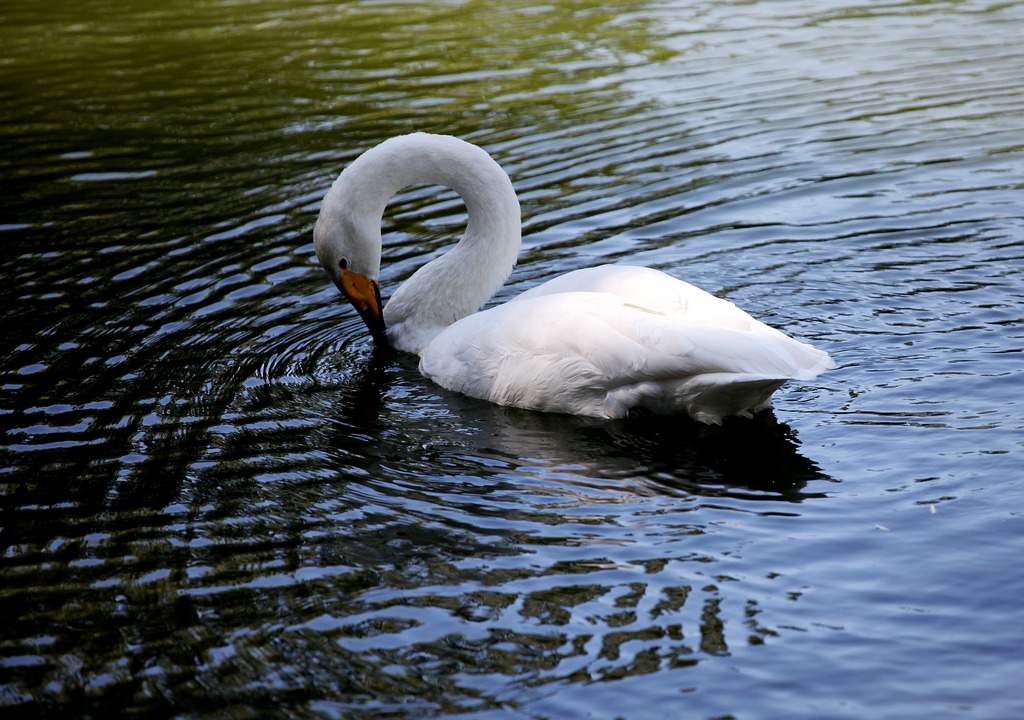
459	282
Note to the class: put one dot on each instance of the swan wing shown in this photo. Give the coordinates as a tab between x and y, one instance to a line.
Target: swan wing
655	292
659	294
666	347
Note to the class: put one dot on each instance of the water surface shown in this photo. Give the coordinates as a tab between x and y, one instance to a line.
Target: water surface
217	498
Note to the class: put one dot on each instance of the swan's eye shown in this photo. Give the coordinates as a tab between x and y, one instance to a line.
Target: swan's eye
343	263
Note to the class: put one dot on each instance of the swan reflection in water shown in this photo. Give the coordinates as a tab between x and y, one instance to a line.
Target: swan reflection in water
382	409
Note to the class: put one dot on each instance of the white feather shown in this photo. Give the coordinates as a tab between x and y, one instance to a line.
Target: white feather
596	342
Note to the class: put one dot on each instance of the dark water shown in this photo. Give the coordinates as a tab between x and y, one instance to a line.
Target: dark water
218	501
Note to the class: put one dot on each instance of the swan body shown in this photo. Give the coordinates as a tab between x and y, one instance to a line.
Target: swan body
598	342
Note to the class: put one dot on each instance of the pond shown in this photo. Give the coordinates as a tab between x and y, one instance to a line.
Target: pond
219	501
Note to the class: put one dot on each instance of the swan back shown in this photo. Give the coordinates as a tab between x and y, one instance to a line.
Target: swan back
605	340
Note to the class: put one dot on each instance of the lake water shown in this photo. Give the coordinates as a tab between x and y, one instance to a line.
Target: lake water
218	501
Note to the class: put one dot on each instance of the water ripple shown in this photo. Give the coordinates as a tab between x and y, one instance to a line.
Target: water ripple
202	449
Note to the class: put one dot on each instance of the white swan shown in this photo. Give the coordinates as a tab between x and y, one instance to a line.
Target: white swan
599	342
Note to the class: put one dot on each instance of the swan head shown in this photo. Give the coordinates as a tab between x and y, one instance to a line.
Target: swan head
350	253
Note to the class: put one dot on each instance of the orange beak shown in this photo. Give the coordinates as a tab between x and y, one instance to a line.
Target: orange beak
364	294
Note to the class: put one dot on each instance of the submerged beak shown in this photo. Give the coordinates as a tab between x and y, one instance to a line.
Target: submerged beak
364	294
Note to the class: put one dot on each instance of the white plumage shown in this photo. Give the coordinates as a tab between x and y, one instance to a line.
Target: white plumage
598	342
